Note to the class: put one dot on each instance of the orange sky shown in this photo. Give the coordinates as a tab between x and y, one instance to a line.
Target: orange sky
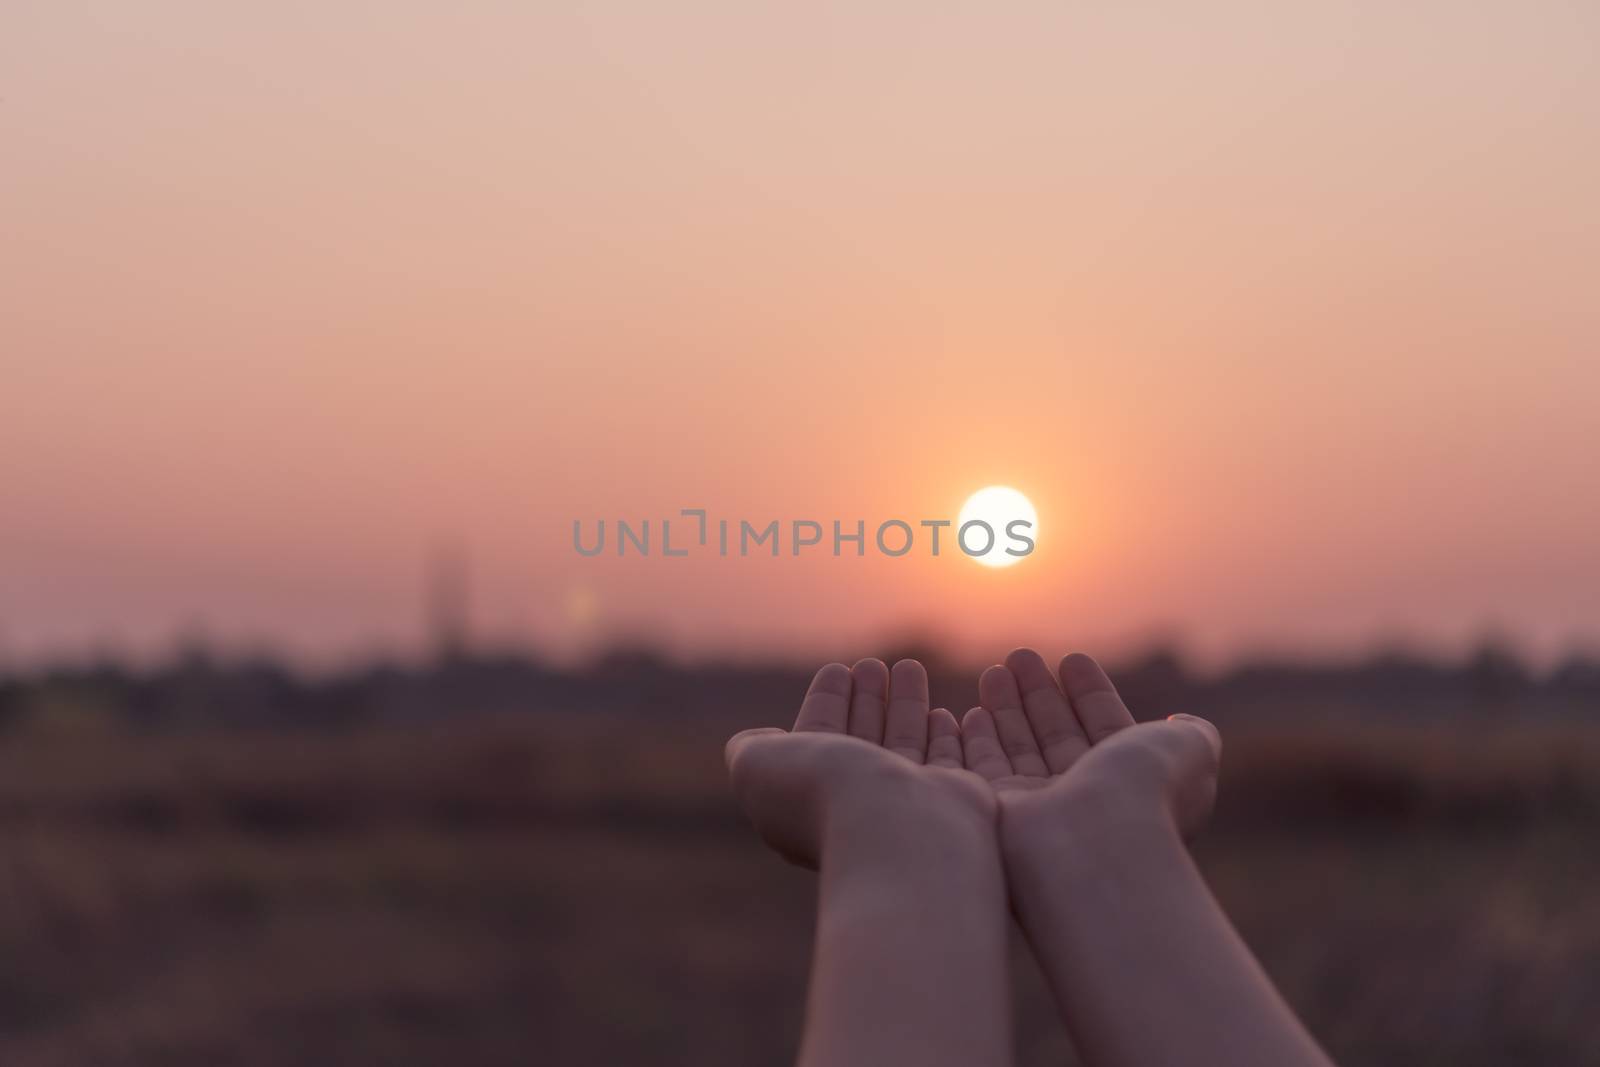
1286	320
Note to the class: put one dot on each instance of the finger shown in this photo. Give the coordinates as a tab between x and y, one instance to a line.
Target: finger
1179	758
980	745
1188	749
1195	792
746	753
826	708
1094	698
1212	738
1057	730
869	685
944	739
739	739
997	691
905	726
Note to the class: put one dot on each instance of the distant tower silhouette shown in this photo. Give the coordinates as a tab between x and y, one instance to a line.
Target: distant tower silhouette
448	601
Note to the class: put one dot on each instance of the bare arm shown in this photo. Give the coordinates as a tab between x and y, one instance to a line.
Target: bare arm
912	912
1144	964
910	957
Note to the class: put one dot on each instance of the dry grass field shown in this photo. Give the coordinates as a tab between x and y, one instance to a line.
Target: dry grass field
572	887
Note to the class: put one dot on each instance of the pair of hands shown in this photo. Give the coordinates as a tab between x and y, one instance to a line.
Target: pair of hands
1042	752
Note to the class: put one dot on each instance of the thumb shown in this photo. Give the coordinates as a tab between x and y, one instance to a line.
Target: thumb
738	741
1204	728
1199	755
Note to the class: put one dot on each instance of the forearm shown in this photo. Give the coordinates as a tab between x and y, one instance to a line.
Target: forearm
910	960
1144	964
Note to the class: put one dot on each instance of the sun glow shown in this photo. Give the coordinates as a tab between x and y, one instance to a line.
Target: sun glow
999	506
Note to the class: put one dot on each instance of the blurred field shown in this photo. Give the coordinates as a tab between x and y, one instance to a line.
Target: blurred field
410	870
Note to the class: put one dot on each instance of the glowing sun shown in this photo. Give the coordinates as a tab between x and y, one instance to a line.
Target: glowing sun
998	507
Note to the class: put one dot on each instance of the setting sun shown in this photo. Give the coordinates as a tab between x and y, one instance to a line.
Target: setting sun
999	507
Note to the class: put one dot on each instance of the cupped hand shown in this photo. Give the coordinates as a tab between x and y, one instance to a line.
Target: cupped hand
864	746
1063	747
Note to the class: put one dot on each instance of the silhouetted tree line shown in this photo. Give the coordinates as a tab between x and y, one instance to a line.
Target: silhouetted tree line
202	691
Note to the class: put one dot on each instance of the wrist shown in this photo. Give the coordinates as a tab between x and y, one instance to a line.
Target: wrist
903	820
1091	829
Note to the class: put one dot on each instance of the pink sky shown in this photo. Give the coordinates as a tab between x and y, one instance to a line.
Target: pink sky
1286	320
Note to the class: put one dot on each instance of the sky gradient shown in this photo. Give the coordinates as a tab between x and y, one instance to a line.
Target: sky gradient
1285	320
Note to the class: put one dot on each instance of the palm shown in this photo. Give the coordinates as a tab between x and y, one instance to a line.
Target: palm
861	728
1040	745
1031	730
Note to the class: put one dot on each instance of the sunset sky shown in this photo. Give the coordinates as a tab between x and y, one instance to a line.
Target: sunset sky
1286	320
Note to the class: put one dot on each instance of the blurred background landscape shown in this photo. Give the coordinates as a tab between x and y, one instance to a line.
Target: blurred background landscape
493	860
1282	316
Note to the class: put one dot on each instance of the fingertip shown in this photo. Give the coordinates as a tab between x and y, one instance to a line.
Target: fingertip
870	675
905	723
981	750
1212	735
826	707
739	740
997	688
832	678
869	681
944	739
1030	670
976	720
1022	656
913	666
756	731
1082	673
908	678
